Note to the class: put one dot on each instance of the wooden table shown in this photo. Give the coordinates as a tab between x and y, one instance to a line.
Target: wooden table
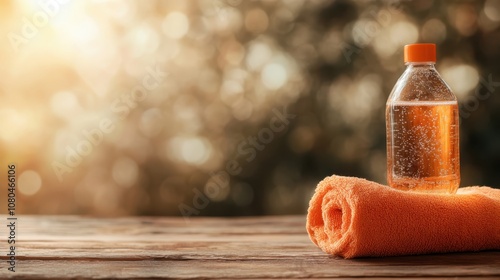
69	247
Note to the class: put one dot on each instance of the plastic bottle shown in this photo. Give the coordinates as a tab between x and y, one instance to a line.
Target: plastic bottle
422	127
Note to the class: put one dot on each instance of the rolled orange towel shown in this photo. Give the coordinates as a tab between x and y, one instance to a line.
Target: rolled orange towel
353	217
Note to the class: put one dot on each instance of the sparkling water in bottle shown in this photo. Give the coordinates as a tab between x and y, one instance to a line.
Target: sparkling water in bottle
422	127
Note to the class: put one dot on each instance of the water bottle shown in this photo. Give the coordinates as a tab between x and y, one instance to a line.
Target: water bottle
422	127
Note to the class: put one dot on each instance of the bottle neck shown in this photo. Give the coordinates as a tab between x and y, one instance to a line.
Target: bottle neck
420	64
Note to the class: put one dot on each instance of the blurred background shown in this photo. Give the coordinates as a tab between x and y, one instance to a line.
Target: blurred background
224	107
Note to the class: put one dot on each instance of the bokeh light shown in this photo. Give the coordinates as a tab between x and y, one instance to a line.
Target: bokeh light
139	107
29	182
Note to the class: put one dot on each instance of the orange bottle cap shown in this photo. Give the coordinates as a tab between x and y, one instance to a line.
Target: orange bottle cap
420	53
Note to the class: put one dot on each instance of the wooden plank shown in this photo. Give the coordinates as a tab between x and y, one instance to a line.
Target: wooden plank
218	269
68	247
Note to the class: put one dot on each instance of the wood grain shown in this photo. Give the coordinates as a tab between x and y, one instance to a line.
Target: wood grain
69	247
